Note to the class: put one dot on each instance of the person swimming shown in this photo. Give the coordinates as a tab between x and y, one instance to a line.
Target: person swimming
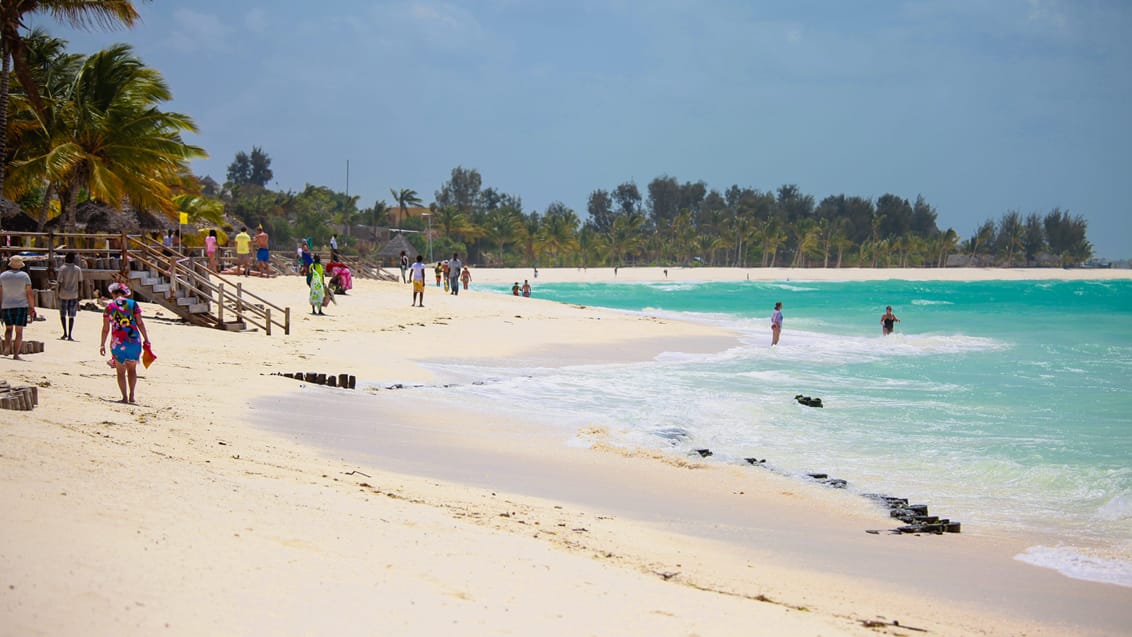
888	321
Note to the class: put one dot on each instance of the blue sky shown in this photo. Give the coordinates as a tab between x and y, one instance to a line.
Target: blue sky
982	106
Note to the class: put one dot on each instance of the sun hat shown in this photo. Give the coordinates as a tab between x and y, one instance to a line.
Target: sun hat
16	262
119	287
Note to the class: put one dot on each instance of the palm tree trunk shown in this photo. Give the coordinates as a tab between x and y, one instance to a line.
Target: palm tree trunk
42	218
4	73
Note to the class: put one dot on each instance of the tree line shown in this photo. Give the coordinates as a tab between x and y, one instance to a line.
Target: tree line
668	223
79	128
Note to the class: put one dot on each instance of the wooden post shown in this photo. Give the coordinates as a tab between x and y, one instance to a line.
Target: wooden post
220	312
50	254
124	266
239	301
267	320
287	321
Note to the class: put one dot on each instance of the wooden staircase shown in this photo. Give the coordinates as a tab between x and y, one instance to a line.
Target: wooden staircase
157	288
187	288
181	284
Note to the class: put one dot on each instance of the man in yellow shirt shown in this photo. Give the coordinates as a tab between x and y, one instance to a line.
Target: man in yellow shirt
243	252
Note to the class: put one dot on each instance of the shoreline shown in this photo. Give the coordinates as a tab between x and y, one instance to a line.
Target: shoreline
656	274
748	516
186	502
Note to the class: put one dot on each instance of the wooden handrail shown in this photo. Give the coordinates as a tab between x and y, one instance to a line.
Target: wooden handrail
182	270
202	287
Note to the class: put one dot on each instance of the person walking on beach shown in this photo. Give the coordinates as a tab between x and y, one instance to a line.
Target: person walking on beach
526	288
515	289
123	321
210	246
262	254
776	324
317	280
888	321
466	277
243	252
455	267
308	258
69	277
418	276
439	272
404	267
17	305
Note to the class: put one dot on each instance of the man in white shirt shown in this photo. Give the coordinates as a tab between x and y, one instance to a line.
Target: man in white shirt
418	269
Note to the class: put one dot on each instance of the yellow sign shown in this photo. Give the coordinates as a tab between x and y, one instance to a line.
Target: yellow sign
184	218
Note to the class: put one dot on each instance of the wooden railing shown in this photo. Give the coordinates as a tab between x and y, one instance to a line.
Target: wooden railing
191	275
185	273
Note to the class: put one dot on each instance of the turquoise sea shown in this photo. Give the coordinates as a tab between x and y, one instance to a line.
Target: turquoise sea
1005	405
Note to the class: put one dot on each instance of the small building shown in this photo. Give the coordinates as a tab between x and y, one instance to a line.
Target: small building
390	253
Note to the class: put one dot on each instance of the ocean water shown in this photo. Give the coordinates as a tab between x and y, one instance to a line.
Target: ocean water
1005	405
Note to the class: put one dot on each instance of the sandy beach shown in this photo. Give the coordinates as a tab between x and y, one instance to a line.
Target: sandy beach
222	503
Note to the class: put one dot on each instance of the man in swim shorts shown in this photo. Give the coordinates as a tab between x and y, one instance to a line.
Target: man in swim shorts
17	304
123	321
262	254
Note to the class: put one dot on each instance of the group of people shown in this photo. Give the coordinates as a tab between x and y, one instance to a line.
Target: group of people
523	291
888	322
451	273
121	320
244	243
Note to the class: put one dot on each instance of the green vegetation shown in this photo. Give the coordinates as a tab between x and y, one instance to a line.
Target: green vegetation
91	127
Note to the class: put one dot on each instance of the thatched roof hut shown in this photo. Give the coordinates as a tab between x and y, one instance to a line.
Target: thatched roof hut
392	249
92	216
13	218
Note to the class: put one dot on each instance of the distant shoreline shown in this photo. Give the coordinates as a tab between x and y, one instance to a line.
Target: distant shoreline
653	274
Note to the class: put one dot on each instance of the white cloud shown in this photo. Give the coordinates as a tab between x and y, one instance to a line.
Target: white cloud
198	32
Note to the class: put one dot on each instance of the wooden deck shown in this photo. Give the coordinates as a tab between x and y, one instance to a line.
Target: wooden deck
181	284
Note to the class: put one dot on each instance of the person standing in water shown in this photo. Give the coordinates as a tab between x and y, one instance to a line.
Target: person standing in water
776	324
888	321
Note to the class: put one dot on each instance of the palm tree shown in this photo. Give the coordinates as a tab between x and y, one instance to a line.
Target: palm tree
503	226
76	13
113	142
624	236
948	242
559	232
405	198
773	238
34	133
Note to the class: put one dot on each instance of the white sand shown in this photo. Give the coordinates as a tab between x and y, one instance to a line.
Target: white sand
184	515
